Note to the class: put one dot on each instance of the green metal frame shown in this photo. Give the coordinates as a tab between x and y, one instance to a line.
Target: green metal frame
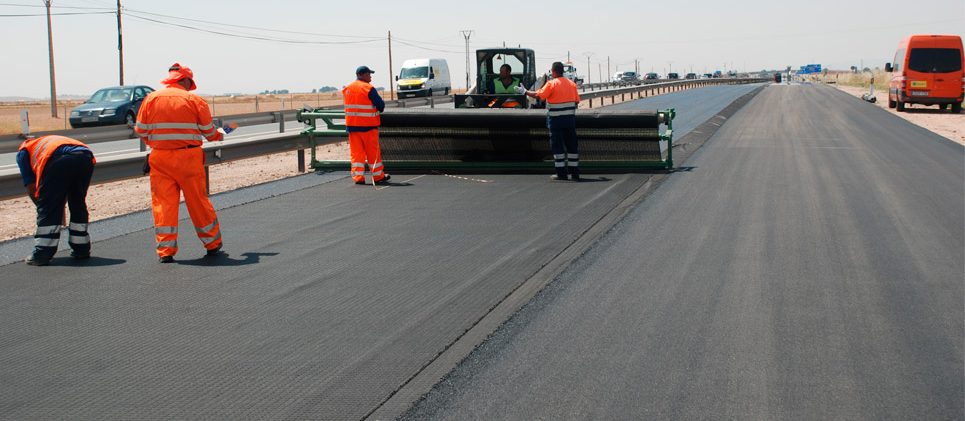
338	130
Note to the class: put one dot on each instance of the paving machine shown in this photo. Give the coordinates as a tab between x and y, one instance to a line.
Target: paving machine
502	140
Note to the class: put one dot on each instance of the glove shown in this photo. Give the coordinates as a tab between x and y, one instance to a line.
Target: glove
520	90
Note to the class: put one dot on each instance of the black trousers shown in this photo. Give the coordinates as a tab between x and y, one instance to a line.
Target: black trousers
65	178
566	151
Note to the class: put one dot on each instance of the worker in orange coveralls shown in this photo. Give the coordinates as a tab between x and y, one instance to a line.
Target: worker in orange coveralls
174	122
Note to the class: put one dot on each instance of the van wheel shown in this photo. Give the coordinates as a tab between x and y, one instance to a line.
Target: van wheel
900	106
891	104
447	92
957	108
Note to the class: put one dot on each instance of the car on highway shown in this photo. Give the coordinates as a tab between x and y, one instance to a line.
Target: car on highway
651	76
928	70
691	76
673	75
630	77
423	77
114	105
618	77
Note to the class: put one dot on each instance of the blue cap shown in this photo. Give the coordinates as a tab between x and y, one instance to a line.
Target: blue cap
363	69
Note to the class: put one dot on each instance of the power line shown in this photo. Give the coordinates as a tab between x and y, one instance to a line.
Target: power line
252	27
55	14
253	37
426	48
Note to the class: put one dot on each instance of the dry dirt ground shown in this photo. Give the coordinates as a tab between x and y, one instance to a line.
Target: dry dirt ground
944	123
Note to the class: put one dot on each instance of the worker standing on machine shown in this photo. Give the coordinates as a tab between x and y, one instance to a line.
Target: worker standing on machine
57	169
561	98
362	107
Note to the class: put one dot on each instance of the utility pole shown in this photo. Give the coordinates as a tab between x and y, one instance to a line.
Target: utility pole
588	55
608	68
50	49
467	34
391	72
120	45
599	69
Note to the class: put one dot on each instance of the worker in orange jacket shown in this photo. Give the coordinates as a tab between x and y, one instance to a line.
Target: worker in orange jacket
57	169
362	107
561	98
174	122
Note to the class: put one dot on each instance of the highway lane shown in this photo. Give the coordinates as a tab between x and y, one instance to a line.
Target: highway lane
808	266
331	297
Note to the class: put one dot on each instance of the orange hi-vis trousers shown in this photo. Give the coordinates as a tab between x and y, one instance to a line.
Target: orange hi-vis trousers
174	171
364	147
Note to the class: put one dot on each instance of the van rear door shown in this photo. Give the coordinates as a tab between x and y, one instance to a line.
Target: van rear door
934	72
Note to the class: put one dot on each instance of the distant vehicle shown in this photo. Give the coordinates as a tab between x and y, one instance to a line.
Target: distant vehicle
116	105
630	77
423	77
691	76
618	77
569	72
707	76
673	75
777	78
928	70
717	74
651	76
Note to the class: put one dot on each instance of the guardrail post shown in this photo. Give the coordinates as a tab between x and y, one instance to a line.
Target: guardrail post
432	102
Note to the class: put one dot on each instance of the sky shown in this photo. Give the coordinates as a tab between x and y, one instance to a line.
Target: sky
248	47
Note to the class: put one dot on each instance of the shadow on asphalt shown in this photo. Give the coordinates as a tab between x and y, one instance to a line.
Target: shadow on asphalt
94	261
225	260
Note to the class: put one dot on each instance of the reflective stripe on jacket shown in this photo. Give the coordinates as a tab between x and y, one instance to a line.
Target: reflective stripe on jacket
173	118
42	148
359	109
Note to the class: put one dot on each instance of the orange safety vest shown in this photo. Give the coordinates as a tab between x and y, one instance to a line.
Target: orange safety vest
42	148
173	118
561	97
359	110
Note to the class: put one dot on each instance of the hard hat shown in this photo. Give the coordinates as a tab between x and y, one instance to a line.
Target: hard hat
177	72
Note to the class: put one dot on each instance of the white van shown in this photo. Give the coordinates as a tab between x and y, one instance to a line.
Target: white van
423	77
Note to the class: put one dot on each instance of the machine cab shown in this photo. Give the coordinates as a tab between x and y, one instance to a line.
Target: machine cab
522	62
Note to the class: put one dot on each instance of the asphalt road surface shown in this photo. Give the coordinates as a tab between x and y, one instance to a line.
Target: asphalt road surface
809	265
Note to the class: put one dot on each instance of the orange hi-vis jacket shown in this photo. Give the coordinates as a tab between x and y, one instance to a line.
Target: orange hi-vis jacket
359	109
42	148
173	118
561	96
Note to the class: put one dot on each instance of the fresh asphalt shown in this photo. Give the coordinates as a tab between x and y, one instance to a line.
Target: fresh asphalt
807	264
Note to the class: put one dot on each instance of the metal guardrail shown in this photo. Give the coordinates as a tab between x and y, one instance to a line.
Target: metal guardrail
10	142
123	167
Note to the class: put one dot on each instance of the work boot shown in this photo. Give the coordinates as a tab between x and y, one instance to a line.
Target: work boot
557	177
360	182
80	255
37	261
384	180
166	259
214	252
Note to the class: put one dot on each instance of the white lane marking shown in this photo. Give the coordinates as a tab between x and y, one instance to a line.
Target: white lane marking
463	178
404	181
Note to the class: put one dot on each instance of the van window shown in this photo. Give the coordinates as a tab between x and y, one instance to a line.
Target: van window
935	60
415	73
899	60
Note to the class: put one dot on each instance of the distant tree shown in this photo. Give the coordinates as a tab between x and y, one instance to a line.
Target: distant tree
314	91
866	69
854	69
